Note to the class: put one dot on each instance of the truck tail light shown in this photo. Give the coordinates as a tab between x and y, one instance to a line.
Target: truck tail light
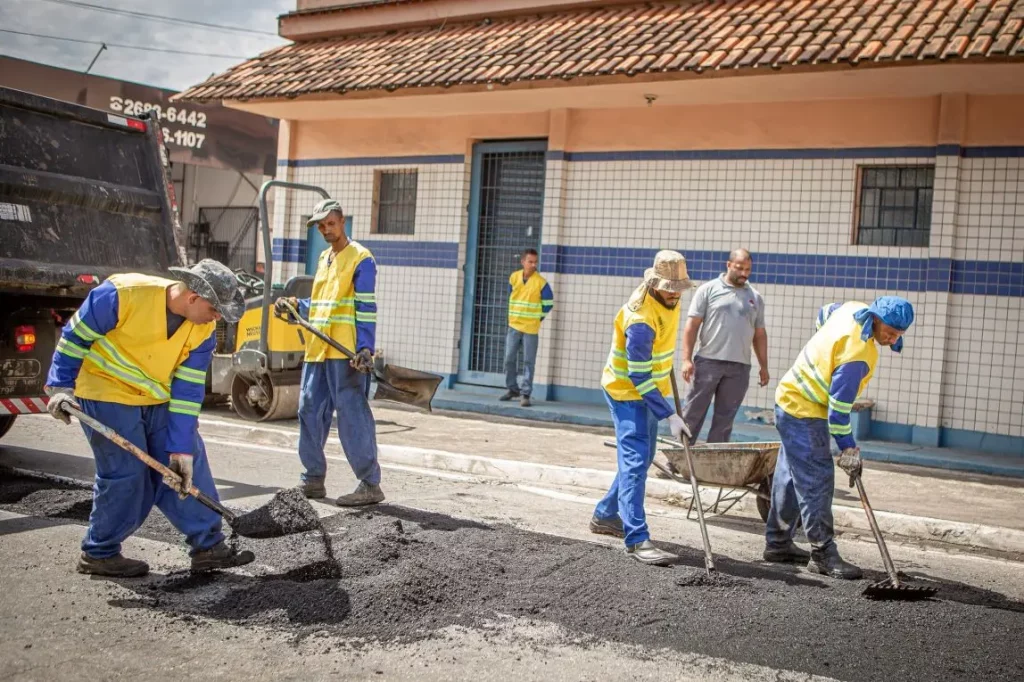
136	124
88	279
25	338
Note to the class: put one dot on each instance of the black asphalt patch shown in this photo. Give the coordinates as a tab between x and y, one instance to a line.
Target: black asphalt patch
287	512
405	574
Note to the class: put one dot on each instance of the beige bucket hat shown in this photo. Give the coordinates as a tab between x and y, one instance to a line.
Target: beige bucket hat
669	273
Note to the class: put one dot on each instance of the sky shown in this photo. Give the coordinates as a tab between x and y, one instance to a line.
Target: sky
173	71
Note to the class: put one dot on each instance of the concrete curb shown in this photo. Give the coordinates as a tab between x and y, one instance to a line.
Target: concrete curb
920	528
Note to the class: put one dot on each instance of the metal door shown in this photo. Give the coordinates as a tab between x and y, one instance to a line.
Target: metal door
227	234
505	211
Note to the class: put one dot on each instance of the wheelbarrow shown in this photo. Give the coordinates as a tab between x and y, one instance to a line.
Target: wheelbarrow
736	469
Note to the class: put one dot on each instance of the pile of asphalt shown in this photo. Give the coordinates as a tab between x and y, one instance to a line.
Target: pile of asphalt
405	574
286	513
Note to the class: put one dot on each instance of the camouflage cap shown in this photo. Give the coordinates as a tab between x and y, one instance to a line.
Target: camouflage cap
215	282
322	210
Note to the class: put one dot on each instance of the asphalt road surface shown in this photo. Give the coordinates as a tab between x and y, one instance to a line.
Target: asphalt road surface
462	577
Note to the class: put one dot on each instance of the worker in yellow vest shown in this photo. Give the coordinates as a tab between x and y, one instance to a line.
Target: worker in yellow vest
134	357
637	385
813	402
530	299
343	305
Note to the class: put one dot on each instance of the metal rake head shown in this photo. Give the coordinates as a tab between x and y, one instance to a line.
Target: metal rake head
885	590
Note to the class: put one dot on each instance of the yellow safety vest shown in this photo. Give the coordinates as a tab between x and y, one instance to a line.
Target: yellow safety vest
332	305
804	390
525	306
665	323
133	364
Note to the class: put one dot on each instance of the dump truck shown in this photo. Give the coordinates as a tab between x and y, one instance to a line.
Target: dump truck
84	194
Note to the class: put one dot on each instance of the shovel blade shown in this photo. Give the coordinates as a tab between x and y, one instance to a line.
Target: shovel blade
885	590
407	386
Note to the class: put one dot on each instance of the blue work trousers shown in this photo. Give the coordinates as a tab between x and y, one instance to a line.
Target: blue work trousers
804	483
636	437
125	489
330	387
513	340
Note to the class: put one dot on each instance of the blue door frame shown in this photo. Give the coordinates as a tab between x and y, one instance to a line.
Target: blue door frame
465	375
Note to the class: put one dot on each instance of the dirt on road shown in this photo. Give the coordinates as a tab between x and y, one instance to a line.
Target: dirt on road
405	574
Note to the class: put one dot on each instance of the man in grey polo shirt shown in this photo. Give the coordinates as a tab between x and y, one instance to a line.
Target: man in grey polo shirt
725	320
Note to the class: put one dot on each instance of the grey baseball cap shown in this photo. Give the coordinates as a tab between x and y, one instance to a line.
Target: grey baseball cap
215	282
322	210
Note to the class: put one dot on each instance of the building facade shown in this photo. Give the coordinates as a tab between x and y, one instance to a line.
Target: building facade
855	149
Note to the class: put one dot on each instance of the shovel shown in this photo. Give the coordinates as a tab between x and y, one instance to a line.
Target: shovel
283	515
397	384
709	561
890	589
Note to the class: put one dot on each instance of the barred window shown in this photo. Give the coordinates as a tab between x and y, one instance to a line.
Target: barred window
394	201
895	206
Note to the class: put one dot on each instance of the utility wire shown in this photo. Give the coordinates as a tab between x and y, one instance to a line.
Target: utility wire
126	47
162	18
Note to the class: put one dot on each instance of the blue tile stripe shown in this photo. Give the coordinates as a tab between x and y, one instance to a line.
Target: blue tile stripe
688	155
386	252
776	154
983	278
986	278
373	161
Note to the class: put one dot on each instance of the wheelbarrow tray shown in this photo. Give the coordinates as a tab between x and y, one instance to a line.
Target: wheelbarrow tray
732	465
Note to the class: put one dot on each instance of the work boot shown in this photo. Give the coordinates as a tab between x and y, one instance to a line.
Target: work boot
646	553
220	556
828	562
525	401
365	493
611	526
112	567
509	395
313	488
788	554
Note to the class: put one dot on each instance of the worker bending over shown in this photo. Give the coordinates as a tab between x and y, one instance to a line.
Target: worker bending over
813	401
343	305
134	357
637	381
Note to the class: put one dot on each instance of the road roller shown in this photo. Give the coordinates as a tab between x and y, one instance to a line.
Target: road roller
259	359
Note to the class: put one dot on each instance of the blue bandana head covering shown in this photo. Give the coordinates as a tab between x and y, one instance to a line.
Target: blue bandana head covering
893	311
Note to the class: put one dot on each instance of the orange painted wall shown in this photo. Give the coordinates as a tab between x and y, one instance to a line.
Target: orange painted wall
409	137
990	120
995	120
773	125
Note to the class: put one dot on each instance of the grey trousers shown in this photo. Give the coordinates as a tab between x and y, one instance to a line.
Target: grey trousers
725	382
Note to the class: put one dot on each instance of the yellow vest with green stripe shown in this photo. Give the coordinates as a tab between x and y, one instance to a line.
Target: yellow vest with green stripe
804	390
133	364
525	305
665	323
332	305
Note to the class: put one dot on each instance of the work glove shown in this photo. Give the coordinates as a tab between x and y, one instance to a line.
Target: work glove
281	310
59	397
678	427
362	361
181	464
849	461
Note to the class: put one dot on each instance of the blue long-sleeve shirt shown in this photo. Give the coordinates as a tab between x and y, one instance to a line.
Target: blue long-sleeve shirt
364	281
639	362
846	381
97	316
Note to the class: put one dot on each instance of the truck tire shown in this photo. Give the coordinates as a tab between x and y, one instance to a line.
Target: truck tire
6	422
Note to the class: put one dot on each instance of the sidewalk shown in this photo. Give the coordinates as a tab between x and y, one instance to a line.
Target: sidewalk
479	400
925	504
